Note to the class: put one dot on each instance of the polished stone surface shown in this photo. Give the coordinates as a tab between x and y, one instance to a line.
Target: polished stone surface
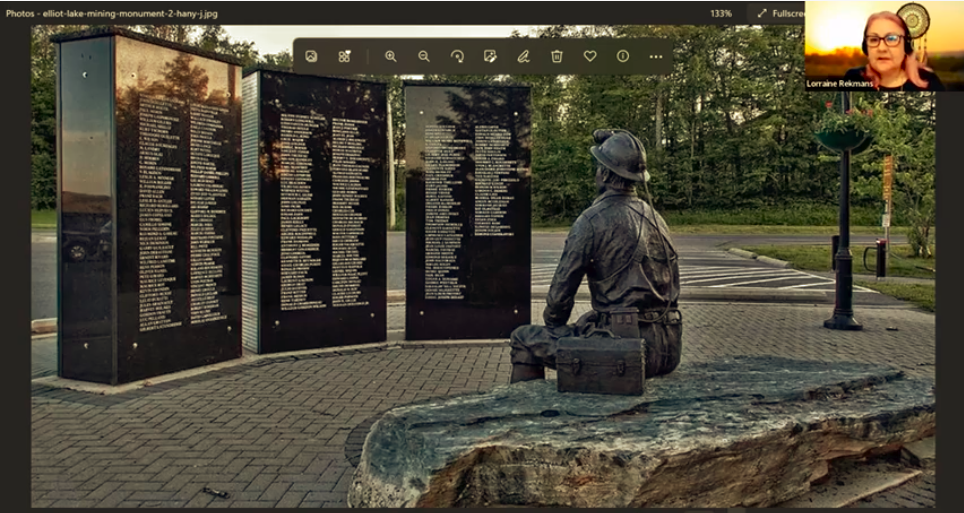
150	209
468	154
314	200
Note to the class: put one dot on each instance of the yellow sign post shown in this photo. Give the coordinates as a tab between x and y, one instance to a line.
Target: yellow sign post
888	179
888	201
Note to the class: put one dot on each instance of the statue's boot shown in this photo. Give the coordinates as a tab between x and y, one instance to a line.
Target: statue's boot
522	372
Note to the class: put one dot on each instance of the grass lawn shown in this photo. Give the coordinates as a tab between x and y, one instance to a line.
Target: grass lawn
722	229
735	229
43	218
920	294
816	257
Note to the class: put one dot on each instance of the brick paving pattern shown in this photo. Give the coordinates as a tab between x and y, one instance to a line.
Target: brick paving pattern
287	432
43	358
920	492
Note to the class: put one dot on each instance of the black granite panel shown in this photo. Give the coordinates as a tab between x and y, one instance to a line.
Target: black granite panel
178	209
323	162
85	200
150	168
103	31
468	238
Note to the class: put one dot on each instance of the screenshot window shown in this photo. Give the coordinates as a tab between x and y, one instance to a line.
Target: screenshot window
365	254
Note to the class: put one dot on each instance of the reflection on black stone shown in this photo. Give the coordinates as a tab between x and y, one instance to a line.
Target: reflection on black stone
468	262
315	227
158	141
165	296
85	237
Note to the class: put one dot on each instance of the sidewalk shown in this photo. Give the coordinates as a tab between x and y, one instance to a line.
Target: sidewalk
287	431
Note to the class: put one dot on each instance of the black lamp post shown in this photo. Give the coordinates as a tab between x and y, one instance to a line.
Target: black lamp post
843	312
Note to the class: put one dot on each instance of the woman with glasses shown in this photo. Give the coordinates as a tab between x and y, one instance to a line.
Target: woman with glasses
891	62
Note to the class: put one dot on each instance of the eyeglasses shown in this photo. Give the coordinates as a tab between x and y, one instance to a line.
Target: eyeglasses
889	40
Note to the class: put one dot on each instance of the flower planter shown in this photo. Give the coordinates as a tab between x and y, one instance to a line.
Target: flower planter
843	141
863	146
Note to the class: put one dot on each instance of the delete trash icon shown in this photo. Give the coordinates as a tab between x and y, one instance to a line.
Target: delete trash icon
557	56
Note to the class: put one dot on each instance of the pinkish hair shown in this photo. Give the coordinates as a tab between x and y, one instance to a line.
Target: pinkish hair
910	65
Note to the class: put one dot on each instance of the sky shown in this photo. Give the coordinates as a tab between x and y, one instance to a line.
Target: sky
276	38
831	25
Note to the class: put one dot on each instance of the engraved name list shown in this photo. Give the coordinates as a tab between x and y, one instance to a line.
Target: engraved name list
444	154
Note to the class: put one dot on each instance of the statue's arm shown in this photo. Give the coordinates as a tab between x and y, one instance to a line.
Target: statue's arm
575	260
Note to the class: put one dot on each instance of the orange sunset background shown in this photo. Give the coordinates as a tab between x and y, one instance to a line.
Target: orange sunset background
834	29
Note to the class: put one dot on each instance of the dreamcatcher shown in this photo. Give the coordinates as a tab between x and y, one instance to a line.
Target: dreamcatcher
918	21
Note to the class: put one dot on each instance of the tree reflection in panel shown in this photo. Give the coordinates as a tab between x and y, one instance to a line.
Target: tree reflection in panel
320	258
173	286
468	213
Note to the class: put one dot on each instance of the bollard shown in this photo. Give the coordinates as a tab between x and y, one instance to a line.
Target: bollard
881	258
834	245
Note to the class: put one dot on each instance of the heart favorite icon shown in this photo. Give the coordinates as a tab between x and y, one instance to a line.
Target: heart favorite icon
590	55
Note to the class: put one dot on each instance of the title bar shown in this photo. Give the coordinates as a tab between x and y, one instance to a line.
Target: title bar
510	56
399	13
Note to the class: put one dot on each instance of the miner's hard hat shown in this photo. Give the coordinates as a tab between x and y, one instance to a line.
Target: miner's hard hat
620	152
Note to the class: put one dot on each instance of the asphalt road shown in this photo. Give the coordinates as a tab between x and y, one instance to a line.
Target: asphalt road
43	275
701	258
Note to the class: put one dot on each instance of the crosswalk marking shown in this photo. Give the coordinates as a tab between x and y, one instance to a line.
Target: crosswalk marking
705	275
687	281
719	275
805	285
742	283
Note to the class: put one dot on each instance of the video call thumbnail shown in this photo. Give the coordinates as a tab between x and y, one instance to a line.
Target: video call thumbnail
884	46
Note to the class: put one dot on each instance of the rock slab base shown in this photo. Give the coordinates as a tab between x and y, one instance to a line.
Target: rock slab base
742	432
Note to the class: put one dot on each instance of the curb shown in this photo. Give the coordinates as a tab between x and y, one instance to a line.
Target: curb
733	294
760	258
259	360
743	253
773	262
41	326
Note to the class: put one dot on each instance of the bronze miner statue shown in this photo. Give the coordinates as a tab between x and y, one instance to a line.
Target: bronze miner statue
623	246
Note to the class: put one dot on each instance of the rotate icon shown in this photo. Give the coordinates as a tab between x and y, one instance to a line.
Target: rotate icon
459	55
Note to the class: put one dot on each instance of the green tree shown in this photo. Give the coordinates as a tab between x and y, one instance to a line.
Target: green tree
281	59
43	127
43	121
904	130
